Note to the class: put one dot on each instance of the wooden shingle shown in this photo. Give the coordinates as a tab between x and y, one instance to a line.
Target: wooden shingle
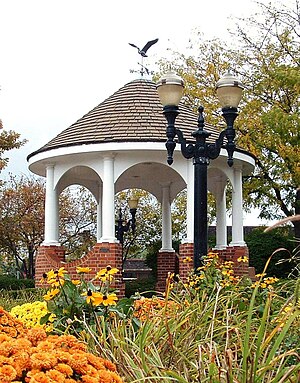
133	113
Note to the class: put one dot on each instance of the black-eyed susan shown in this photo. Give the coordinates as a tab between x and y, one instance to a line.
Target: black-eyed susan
60	272
212	255
109	299
243	259
93	297
51	294
83	270
106	274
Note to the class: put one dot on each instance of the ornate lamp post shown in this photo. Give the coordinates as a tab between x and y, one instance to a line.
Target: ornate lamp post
123	227
229	92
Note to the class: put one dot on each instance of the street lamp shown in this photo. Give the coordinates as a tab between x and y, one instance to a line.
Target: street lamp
122	226
229	92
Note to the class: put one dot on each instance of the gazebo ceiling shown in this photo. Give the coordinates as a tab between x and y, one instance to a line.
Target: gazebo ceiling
131	114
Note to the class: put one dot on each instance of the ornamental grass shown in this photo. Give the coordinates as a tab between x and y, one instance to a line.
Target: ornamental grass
29	355
241	332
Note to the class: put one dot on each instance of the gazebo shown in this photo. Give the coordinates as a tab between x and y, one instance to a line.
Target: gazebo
118	145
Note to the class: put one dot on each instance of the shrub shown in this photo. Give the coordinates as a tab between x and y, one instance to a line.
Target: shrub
261	245
145	286
11	283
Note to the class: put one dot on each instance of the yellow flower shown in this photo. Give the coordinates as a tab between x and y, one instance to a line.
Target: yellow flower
95	298
76	282
105	274
187	259
270	280
56	282
111	270
212	255
82	270
61	272
51	275
56	278
51	294
244	259
260	275
228	264
109	299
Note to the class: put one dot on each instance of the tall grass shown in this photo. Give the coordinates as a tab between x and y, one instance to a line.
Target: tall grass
12	298
218	336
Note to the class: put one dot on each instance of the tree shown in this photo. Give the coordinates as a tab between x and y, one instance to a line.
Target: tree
266	56
22	221
148	221
8	140
78	221
270	123
22	202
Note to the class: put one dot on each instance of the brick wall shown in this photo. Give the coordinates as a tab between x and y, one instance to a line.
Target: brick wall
101	255
166	263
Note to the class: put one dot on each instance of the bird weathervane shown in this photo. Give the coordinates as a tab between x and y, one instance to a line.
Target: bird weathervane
143	52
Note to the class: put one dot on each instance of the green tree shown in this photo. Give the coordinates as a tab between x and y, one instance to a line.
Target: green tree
148	221
270	123
266	56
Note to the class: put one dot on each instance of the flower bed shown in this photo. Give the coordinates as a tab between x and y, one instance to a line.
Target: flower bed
29	355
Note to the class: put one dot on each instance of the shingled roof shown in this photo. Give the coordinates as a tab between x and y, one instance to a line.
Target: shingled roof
133	113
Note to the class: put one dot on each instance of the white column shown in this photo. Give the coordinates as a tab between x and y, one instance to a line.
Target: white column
51	210
108	208
237	209
221	227
190	203
166	219
99	215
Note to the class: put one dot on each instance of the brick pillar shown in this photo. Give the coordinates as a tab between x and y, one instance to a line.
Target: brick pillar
47	258
101	255
166	263
105	254
186	260
233	253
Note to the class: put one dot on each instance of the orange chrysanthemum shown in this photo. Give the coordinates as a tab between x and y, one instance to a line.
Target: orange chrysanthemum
37	358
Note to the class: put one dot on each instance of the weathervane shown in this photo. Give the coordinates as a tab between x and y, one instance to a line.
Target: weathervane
143	52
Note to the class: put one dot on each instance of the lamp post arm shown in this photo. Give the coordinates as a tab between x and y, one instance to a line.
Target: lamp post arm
188	150
230	114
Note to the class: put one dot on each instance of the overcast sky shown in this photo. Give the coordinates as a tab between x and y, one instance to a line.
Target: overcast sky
61	58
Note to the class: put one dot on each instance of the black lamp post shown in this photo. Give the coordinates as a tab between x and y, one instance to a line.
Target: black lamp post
122	226
229	92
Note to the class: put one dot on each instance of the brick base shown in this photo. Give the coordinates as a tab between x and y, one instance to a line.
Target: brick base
186	263
166	262
182	264
233	253
101	255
